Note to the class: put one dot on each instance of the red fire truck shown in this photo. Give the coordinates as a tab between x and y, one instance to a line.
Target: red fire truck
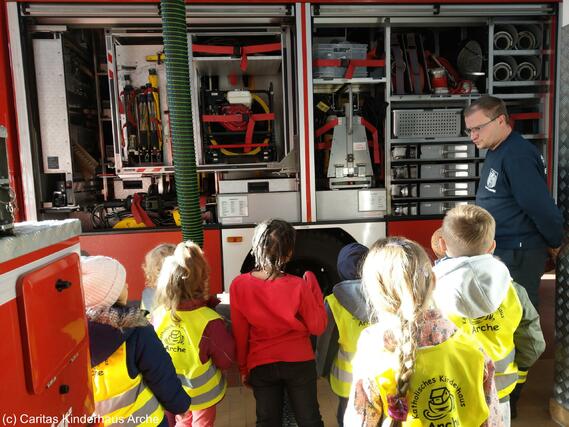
344	118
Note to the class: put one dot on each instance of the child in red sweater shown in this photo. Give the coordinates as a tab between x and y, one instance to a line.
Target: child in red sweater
273	315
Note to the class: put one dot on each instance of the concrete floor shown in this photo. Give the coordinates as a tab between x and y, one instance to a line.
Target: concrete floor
238	407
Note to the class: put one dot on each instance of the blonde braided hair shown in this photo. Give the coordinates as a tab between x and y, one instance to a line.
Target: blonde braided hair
398	282
184	276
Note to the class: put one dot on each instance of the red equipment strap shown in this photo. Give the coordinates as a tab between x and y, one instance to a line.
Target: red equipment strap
138	213
251	125
259	48
328	126
215	118
323	146
362	63
231	50
375	140
227	118
253	118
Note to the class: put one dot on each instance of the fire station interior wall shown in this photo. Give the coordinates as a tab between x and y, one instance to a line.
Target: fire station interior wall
130	248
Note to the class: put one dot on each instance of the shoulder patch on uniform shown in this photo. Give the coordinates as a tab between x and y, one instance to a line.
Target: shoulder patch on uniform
491	181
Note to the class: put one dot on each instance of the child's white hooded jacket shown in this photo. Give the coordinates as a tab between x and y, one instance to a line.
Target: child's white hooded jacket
477	286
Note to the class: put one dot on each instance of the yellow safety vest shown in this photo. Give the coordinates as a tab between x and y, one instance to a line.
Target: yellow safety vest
349	330
446	387
120	399
203	382
495	333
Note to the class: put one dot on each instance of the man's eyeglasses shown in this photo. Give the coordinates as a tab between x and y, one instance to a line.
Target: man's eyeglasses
477	129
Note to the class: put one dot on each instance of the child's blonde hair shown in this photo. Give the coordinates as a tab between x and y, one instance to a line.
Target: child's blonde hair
184	275
468	230
153	262
273	243
398	281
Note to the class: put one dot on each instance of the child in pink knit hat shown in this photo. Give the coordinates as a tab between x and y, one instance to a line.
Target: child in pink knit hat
132	373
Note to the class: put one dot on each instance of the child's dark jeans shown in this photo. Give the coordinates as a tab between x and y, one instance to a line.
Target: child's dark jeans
299	380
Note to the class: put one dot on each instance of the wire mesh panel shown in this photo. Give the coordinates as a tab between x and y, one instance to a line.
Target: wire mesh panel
427	123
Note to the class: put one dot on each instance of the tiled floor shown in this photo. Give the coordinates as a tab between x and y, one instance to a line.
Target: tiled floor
238	407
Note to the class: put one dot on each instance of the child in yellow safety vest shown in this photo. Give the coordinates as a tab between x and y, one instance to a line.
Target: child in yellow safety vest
192	332
475	291
151	267
412	366
347	317
134	380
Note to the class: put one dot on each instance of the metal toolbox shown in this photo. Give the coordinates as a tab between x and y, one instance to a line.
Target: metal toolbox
438	171
427	123
447	151
343	50
447	189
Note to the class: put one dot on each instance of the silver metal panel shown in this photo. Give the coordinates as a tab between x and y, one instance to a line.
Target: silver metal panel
31	236
496	10
349	142
21	107
139	10
438	208
242	185
52	105
407	10
451	189
255	207
447	171
447	151
348	11
112	14
421	123
351	204
122	193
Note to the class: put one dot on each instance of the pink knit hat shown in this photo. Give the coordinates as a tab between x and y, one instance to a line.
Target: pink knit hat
103	280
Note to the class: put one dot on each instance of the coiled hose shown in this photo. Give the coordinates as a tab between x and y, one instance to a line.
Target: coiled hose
180	107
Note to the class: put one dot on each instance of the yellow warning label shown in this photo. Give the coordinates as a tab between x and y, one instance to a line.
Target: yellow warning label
323	107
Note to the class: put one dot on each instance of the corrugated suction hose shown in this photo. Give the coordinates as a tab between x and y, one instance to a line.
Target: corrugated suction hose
180	107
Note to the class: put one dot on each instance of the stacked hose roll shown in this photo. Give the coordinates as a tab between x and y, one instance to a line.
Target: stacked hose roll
529	37
508	68
505	37
180	108
505	68
524	37
529	68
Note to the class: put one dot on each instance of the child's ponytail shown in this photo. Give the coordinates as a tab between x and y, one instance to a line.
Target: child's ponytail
184	276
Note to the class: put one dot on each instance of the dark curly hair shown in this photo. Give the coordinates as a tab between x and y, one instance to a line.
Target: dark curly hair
273	243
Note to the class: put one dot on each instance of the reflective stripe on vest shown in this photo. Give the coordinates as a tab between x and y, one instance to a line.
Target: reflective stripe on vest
349	330
446	388
203	382
495	333
522	376
121	400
